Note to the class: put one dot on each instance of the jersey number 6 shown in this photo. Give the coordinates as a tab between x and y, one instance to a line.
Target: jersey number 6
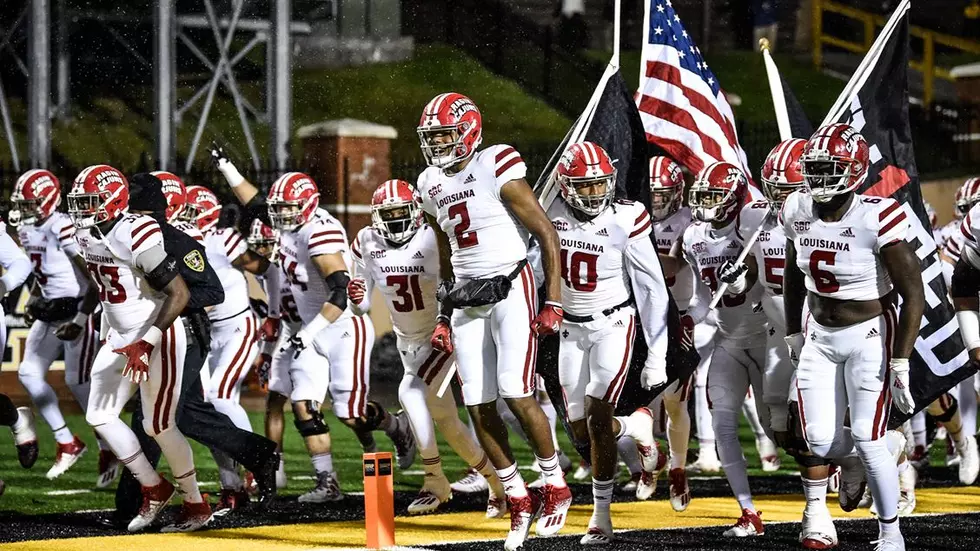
823	279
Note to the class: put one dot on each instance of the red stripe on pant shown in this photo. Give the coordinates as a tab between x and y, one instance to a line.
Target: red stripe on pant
361	406
352	402
93	349
530	298
799	405
248	344
224	389
884	399
163	401
82	357
616	386
428	363
434	372
172	365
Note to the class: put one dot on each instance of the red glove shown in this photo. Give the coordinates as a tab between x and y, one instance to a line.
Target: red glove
270	329
442	336
548	320
687	332
356	290
137	360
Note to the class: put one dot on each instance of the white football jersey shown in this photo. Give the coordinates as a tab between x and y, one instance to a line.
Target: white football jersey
485	237
223	246
840	259
323	234
127	299
667	232
968	232
48	246
769	251
955	241
740	319
406	275
944	233
593	266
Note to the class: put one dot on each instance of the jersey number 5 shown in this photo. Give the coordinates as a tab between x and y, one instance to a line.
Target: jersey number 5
408	291
823	279
464	239
571	270
107	277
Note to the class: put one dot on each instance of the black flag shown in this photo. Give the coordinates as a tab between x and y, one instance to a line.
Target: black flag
800	126
616	126
880	112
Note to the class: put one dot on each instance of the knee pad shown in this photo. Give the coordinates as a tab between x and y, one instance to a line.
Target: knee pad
940	415
313	426
95	418
374	414
34	383
806	459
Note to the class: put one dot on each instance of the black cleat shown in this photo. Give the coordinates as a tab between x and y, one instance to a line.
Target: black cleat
265	478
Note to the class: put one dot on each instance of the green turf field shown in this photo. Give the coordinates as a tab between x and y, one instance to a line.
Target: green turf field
30	492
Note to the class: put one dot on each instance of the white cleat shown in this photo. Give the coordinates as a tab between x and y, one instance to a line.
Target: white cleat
969	460
748	525
768	454
707	463
67	455
435	491
471	483
866	499
818	531
555	502
941	434
583	472
891	542
155	498
906	491
523	512
109	469
630	485
652	461
647	485
680	493
496	503
327	489
281	480
600	531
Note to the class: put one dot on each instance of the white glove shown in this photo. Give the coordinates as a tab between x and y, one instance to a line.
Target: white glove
734	275
654	374
795	344
305	336
901	393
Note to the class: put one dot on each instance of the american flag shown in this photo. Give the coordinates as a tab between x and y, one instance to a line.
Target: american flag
683	108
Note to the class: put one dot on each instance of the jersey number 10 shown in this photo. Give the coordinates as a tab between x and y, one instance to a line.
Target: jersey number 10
572	266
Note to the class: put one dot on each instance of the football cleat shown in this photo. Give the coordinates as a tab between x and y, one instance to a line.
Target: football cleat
969	460
404	441
818	531
109	469
705	465
630	486
583	472
647	485
327	489
890	542
833	480
747	525
155	498
266	479
25	437
919	457
906	491
192	516
523	512
555	502
496	503
852	483
230	500
652	461
600	530
67	455
435	491
471	483
281	480
680	493
866	499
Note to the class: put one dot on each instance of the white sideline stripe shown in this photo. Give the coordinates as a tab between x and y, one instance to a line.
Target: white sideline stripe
353	209
413	473
67	492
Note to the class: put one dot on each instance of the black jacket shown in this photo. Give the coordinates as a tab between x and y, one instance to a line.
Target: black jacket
192	263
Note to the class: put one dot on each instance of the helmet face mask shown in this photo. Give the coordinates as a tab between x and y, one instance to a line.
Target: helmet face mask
826	178
440	145
99	194
85	209
777	192
781	171
718	193
285	215
29	209
591	195
834	162
707	205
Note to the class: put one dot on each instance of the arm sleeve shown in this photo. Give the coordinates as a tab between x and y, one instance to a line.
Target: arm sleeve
273	289
256	208
16	265
893	224
150	258
507	165
650	291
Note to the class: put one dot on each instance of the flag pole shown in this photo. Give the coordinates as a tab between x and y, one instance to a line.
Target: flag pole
776	89
617	13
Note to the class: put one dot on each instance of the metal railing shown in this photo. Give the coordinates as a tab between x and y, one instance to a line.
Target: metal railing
870	23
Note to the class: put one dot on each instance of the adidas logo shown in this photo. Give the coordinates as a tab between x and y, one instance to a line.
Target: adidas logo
418	255
346	335
469	179
873	333
668	229
847	233
602	232
619	323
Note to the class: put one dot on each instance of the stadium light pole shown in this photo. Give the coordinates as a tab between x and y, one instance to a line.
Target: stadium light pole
39	86
281	88
165	32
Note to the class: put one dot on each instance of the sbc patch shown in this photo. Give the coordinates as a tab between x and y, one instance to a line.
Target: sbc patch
194	261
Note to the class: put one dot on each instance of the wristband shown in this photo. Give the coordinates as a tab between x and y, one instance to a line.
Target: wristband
900	365
80	319
554	303
231	173
969	321
443	318
153	336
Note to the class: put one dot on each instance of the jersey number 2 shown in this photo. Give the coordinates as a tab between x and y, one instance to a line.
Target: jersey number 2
107	277
572	267
408	291
464	239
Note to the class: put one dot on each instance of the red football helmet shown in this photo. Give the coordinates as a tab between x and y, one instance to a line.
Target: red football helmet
293	199
966	196
586	165
175	192
835	161
395	212
263	238
36	195
450	130
666	187
99	193
781	173
718	193
202	208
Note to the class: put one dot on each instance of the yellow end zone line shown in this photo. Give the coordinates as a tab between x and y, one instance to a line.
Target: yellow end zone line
472	526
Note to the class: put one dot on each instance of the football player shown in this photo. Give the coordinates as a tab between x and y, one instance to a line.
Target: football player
848	257
716	197
482	210
315	259
966	196
21	423
175	192
233	328
398	255
611	283
142	296
61	305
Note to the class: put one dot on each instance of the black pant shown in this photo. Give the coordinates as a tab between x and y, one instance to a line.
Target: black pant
197	420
